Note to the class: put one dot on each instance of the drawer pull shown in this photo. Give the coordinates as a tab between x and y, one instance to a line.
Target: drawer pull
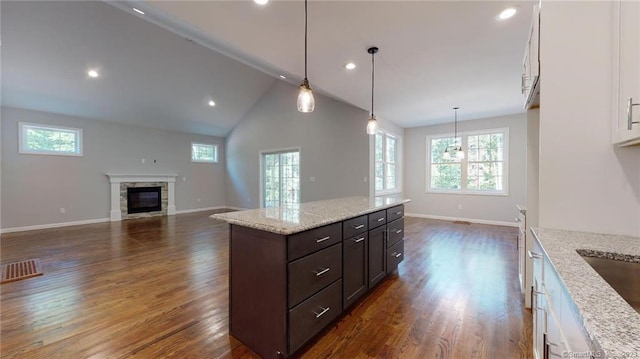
534	255
320	240
322	272
324	310
358	226
398	213
397	255
380	219
359	240
399	231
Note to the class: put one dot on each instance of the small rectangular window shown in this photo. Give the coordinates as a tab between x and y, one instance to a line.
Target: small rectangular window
202	152
49	140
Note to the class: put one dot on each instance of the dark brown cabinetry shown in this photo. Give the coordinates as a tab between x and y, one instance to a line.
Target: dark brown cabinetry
284	289
354	248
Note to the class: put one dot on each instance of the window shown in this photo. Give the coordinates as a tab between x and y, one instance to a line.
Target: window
201	152
49	140
280	178
482	171
386	163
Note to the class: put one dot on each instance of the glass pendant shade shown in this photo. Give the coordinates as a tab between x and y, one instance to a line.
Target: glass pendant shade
446	155
459	153
372	125
306	102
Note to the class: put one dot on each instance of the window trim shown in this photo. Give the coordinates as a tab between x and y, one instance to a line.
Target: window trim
261	154
464	136
22	140
215	152
398	163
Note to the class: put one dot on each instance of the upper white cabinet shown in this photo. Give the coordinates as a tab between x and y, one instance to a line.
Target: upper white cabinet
626	76
531	63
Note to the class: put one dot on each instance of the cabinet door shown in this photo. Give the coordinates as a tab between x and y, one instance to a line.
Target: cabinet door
627	30
377	255
354	271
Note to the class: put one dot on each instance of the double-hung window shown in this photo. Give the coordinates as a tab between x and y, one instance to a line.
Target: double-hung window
49	140
387	159
482	170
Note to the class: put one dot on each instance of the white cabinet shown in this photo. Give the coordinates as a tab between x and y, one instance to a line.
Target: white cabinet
531	63
557	328
524	262
626	73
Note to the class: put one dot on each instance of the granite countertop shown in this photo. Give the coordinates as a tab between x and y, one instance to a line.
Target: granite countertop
612	324
304	216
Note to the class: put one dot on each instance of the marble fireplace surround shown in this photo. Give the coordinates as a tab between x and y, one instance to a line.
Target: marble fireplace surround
117	179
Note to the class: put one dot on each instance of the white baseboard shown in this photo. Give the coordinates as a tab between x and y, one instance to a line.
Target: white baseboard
200	209
479	221
53	225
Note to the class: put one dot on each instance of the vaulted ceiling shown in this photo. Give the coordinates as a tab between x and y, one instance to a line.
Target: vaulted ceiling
433	56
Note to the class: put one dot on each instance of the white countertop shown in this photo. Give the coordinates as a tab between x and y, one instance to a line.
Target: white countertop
610	321
304	216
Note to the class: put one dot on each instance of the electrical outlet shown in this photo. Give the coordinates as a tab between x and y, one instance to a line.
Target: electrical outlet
312	179
63	210
199	199
365	179
459	206
142	160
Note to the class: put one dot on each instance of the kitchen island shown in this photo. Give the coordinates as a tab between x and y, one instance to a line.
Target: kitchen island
294	269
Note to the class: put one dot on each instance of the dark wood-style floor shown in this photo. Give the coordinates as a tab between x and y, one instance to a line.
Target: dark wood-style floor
158	287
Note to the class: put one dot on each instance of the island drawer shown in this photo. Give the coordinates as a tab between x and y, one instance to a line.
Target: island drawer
314	314
301	244
309	274
395	231
395	255
377	219
354	226
394	213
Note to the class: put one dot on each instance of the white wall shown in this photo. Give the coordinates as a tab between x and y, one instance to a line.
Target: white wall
332	140
586	183
478	208
35	187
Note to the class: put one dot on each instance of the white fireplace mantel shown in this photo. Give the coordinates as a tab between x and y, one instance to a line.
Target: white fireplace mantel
117	179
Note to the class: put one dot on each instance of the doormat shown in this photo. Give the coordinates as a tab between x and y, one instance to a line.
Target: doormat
20	270
462	222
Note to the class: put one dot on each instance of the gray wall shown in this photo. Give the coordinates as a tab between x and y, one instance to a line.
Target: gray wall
474	207
35	187
334	147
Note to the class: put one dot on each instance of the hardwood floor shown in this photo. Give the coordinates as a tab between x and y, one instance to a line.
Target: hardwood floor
158	287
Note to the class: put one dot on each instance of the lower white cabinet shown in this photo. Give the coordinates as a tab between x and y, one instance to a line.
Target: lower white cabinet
557	328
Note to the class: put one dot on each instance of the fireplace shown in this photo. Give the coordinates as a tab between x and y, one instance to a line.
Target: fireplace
144	199
120	184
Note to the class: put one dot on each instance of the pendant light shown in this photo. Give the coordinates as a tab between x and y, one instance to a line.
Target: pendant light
372	125
457	151
306	102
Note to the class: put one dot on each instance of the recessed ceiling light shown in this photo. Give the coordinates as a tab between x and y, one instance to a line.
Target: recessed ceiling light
283	77
211	103
138	11
507	13
350	66
93	73
261	2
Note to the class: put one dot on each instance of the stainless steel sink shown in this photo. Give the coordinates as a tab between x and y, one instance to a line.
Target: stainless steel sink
624	277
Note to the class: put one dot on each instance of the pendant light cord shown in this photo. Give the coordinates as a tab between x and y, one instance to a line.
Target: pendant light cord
373	83
305	39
